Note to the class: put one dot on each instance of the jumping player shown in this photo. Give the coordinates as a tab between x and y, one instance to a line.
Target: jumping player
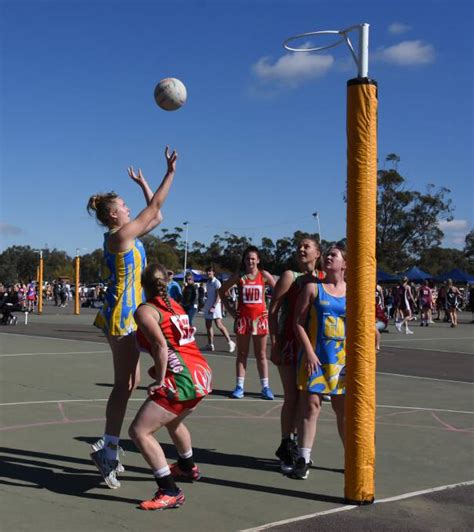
320	327
284	344
183	378
251	318
124	256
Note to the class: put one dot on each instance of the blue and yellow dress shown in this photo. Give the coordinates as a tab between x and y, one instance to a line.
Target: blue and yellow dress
326	330
124	290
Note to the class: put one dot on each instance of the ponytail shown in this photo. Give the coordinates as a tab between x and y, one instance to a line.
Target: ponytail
100	205
156	285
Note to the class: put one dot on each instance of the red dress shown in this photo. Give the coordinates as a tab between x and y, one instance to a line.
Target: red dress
188	375
252	311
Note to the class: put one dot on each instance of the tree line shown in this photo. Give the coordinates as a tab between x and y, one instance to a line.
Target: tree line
408	234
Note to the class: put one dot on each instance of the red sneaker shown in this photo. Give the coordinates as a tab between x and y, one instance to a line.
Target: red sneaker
178	474
162	501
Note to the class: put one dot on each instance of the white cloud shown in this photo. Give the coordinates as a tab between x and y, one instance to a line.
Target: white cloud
397	28
406	53
293	69
453	225
454	232
9	230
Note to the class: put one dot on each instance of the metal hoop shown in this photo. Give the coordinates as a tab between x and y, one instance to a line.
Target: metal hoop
361	59
310	34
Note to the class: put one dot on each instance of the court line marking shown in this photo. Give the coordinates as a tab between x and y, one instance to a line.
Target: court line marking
424	378
431	350
61	353
52	401
53	338
429	339
352	507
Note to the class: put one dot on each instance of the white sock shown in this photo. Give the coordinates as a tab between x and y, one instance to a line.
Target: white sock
187	454
240	381
111	446
264	383
162	472
305	452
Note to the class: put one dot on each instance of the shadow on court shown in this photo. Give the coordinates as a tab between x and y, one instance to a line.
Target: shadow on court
215	392
39	470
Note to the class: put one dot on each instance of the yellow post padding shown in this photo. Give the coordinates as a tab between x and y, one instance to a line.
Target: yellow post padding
361	282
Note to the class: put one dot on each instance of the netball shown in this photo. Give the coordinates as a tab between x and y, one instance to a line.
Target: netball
170	94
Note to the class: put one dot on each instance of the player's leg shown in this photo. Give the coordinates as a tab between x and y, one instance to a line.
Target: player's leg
220	325
126	364
338	405
150	418
309	410
260	351
286	451
243	345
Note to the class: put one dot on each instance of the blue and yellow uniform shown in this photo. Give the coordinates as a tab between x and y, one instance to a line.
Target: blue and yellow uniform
124	290
326	330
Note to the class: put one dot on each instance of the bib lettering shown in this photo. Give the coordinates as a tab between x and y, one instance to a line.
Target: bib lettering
180	324
252	295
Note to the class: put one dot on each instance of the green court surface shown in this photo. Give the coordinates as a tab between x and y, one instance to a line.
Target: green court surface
52	403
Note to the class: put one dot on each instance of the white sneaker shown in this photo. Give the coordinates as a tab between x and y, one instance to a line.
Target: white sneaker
232	346
99	444
408	331
107	468
398	326
209	347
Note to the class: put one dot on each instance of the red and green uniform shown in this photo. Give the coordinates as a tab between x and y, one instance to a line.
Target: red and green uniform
188	375
288	341
253	317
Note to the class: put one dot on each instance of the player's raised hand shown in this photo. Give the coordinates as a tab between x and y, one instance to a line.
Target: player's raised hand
171	159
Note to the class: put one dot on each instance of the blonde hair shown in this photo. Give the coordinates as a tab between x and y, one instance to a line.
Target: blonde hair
100	205
156	286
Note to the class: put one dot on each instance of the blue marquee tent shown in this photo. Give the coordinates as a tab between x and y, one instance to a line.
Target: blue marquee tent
198	276
384	277
457	276
415	274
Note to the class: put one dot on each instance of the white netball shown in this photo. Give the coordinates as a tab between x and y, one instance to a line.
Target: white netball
170	94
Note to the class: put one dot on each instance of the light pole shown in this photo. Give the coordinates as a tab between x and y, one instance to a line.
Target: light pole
316	217
77	299
186	225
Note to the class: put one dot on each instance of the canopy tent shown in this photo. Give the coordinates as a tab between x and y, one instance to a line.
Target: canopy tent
457	276
198	276
384	277
415	274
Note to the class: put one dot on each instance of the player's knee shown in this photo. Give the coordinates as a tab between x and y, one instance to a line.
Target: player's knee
132	432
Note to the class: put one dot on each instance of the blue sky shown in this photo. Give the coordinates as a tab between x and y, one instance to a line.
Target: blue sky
261	138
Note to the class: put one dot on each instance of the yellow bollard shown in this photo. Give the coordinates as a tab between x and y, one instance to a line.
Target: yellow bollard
361	281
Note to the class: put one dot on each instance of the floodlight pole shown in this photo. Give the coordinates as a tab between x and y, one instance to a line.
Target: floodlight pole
316	217
77	298
40	283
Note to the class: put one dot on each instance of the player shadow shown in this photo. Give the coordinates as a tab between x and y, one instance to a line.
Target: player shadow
217	393
110	385
39	470
213	457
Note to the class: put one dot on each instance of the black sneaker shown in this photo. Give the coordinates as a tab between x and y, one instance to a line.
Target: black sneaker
301	469
285	454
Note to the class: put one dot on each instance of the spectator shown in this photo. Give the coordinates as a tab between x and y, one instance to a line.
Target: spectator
190	297
174	290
